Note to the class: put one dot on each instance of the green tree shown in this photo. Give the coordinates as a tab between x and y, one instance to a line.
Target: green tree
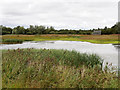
19	30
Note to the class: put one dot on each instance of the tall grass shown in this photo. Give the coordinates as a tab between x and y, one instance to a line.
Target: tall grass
31	68
11	41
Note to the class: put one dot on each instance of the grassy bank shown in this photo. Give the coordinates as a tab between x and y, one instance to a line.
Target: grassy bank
32	68
100	39
11	41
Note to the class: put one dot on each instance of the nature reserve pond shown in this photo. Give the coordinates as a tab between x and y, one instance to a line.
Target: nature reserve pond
108	52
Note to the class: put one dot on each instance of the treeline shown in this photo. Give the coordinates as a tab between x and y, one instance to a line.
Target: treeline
113	30
32	30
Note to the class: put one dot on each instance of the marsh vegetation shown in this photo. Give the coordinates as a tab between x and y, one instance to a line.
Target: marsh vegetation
11	41
50	68
100	39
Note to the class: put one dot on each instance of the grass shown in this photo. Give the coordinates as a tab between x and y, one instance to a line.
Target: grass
11	41
100	39
44	68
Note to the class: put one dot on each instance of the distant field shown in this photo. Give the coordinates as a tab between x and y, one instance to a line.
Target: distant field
101	39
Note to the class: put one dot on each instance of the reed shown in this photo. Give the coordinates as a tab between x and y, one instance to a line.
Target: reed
50	68
11	41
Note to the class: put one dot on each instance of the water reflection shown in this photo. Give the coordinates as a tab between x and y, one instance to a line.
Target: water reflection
108	52
117	46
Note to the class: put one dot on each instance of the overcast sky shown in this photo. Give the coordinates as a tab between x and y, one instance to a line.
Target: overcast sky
70	14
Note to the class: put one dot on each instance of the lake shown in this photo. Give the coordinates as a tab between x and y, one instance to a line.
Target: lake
108	52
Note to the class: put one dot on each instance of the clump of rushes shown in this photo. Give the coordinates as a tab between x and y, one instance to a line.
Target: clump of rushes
11	41
44	68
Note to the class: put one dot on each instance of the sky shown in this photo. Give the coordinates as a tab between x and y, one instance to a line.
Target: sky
61	14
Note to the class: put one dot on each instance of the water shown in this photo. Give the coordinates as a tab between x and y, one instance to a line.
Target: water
108	52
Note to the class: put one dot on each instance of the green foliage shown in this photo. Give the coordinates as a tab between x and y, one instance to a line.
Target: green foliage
9	41
113	30
50	30
19	30
31	68
5	30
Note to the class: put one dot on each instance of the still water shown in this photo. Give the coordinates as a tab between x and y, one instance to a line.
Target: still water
108	52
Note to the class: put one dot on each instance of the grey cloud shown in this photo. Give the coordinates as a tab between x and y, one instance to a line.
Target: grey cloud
60	14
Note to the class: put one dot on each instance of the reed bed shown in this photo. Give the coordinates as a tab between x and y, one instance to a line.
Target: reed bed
50	68
11	41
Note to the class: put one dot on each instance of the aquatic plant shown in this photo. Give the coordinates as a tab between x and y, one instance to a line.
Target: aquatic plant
50	68
10	41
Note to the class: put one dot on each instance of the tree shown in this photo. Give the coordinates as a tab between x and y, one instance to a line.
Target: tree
40	29
19	30
6	30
